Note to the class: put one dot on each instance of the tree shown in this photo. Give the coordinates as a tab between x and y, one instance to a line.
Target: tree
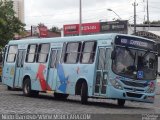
41	25
9	24
55	29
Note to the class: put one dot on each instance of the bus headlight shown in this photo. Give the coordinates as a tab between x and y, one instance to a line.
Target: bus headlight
116	84
151	87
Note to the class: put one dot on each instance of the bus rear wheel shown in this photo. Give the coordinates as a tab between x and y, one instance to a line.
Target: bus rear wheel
9	88
27	87
60	96
84	93
121	102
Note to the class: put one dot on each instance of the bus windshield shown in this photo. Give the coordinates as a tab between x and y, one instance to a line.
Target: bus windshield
134	63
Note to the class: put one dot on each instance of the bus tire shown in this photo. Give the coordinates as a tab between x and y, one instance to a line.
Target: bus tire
34	93
61	96
27	87
9	88
84	93
121	102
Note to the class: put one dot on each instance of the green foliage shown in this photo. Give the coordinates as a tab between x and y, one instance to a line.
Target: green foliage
55	29
9	24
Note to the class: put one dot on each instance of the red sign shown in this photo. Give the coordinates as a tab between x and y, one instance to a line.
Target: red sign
73	29
43	31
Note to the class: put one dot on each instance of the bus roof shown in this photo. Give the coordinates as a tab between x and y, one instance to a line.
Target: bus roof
109	36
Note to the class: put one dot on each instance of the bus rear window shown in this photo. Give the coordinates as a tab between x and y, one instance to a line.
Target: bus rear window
12	51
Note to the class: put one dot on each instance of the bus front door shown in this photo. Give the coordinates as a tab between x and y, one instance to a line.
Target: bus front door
102	71
52	74
19	68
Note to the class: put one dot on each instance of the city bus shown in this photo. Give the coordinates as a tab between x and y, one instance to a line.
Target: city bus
1	63
107	66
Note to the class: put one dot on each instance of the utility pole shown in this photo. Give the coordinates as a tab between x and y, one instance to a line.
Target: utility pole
135	4
80	17
148	16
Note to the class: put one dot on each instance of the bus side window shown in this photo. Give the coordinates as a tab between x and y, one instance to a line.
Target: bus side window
88	52
55	58
43	51
72	52
12	51
63	52
31	53
103	62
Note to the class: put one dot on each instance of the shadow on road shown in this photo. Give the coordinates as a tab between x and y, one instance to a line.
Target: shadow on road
100	104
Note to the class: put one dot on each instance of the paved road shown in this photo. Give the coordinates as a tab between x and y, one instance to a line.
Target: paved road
158	86
13	102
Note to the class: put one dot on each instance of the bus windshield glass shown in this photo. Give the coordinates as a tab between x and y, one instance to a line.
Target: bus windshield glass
134	63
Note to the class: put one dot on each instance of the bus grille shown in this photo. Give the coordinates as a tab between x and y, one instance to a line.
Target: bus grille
134	84
134	95
134	89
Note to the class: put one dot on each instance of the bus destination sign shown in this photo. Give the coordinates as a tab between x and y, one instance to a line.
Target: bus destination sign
135	42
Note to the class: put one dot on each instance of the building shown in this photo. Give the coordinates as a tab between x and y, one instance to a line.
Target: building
18	6
151	31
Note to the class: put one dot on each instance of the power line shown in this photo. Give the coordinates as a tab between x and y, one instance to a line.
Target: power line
64	13
95	11
71	12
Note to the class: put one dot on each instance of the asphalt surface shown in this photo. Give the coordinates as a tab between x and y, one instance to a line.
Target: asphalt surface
13	102
158	86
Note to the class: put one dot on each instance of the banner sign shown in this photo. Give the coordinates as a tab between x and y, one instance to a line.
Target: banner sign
114	27
90	28
120	26
43	31
87	28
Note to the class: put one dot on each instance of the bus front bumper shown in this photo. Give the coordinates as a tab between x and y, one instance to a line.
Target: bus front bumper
114	93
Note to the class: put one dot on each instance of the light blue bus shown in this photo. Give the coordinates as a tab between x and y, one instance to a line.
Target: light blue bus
112	66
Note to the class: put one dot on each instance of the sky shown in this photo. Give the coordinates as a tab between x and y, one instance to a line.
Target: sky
60	12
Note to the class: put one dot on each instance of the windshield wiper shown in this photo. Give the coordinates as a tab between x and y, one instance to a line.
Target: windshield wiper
145	54
133	67
132	55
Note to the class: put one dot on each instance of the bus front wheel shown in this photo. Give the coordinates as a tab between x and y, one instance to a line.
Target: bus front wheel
121	102
84	93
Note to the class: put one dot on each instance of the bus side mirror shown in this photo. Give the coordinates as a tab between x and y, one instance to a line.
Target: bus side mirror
113	55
